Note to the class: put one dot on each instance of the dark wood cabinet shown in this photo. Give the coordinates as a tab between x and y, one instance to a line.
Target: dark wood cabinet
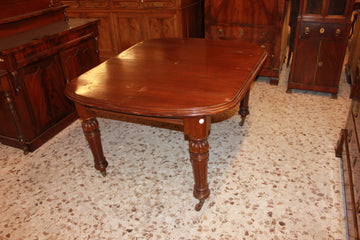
348	148
124	23
353	49
261	22
320	44
35	66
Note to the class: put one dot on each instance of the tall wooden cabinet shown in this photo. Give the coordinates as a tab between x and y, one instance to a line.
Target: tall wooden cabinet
320	45
35	64
261	22
353	49
124	23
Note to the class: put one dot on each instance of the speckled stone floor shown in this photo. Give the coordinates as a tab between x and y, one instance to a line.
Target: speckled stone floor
276	177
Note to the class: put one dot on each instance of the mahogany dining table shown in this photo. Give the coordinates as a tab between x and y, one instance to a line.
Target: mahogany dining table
179	81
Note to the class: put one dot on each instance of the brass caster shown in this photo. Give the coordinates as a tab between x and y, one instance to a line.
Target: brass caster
25	149
288	90
241	123
334	95
199	205
103	173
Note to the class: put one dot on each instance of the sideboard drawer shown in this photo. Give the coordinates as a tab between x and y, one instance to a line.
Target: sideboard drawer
159	3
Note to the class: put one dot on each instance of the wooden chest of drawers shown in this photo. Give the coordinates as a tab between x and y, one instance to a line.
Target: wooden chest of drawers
124	23
348	148
35	66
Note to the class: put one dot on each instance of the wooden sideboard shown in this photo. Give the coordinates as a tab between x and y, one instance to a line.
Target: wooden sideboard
35	64
124	23
348	148
261	22
320	45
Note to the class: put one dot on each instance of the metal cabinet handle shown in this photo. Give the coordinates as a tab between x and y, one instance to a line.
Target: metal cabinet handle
307	30
220	32
338	32
322	30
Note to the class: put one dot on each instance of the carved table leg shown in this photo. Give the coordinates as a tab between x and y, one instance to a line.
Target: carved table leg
244	107
197	129
91	130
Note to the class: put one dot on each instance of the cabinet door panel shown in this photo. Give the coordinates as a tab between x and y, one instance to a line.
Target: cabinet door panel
129	29
305	60
244	12
330	57
314	7
161	26
337	7
79	59
43	86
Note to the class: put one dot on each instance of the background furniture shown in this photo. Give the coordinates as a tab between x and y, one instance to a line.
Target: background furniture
261	22
353	49
40	51
348	148
124	23
294	12
320	45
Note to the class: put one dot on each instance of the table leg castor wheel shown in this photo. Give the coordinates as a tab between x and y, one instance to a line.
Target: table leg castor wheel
242	121
103	173
199	205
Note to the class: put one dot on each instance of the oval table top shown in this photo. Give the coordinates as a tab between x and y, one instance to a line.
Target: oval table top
173	78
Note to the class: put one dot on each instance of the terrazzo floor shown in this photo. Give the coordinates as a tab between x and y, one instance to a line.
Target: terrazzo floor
276	177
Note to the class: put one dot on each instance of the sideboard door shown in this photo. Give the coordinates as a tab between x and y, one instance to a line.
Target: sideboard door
42	86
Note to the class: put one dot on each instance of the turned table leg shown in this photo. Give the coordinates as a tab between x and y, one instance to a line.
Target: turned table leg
244	107
197	129
91	130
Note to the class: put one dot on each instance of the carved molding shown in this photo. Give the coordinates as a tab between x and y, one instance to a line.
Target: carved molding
198	147
90	125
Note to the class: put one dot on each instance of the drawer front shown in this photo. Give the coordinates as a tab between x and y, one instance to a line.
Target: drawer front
335	30
50	46
125	4
259	35
159	4
264	36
